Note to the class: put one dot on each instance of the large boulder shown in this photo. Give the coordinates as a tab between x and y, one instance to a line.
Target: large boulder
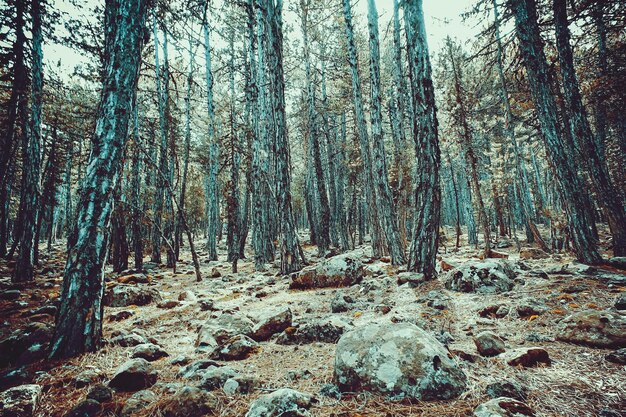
281	403
127	295
327	330
488	276
217	331
602	329
271	322
339	271
189	402
503	407
397	359
20	401
134	375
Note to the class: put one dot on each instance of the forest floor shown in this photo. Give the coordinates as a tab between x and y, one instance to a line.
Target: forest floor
579	381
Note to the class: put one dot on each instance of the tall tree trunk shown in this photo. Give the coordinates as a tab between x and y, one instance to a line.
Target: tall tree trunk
425	239
232	205
136	208
378	245
31	140
384	199
79	320
608	197
570	185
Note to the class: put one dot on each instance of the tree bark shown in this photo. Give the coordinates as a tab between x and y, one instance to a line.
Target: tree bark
79	320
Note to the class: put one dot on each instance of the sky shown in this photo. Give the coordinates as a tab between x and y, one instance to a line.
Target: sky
442	19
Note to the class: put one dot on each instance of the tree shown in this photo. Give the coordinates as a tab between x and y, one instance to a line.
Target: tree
425	238
570	186
79	320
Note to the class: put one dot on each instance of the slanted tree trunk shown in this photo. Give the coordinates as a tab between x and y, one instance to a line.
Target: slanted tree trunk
570	186
31	140
79	320
384	199
425	238
608	197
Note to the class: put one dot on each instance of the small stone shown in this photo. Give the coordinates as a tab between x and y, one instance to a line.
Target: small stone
133	375
619	356
282	402
271	322
10	295
620	302
206	305
88	377
128	340
120	315
189	402
100	393
20	401
526	357
187	296
532	253
506	389
85	408
127	295
236	348
149	352
231	386
503	407
167	304
489	344
531	307
215	273
414	279
330	391
137	402
341	303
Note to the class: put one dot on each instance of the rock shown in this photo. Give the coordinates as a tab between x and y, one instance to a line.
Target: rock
496	310
88	377
149	352
215	332
150	266
167	304
20	401
506	389
396	359
231	386
619	356
330	391
195	369
526	357
236	348
503	407
531	307
25	345
10	295
134	279
532	253
214	377
189	402
180	360
128	339
127	295
602	329
489	344
207	305
282	403
134	375
215	273
271	322
412	278
620	302
339	271
187	296
488	276
327	330
618	262
503	243
14	377
85	408
341	302
137	402
120	315
239	384
100	393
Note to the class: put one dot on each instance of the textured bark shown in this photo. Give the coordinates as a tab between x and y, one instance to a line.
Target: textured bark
425	239
378	246
212	168
31	142
135	185
323	231
570	186
79	320
384	199
290	260
232	204
608	197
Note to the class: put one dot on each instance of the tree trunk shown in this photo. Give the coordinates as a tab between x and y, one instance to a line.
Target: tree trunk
570	186
425	239
136	208
608	197
79	320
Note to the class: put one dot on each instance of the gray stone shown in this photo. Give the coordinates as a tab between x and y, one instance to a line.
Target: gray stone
531	307
489	344
216	331
526	357
341	302
149	352
339	271
236	348
488	276
20	401
127	295
134	375
602	329
88	377
282	403
503	407
327	330
137	402
100	393
618	357
620	302
271	322
85	408
399	360
189	402
532	253
506	389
